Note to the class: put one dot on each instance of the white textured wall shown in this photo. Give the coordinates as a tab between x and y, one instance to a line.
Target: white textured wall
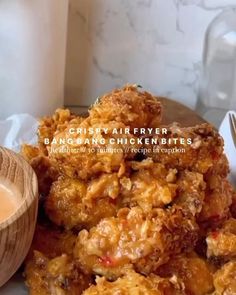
155	43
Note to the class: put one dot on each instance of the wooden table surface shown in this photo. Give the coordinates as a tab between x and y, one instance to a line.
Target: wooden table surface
174	111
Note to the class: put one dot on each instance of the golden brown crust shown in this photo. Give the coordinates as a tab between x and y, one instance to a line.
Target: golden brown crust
233	206
52	241
150	185
119	109
128	105
45	169
49	126
221	243
50	269
217	202
191	191
86	161
133	283
220	167
205	150
56	276
73	203
135	238
192	270
224	279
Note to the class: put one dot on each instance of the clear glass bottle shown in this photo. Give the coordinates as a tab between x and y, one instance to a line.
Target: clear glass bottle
217	93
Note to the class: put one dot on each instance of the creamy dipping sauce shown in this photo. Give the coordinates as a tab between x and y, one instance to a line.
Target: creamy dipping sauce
10	199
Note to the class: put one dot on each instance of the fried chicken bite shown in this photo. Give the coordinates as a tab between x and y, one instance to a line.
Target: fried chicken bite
49	126
133	283
46	173
217	202
45	170
135	239
58	276
204	150
152	185
121	109
192	270
73	203
79	159
224	279
52	241
149	186
233	205
191	191
29	152
220	168
49	265
221	243
129	106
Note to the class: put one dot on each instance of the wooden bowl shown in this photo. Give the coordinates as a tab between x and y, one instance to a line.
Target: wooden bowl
16	233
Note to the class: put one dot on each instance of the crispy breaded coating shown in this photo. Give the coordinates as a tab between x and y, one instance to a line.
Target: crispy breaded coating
217	202
73	203
46	173
129	106
192	270
135	239
45	170
52	241
133	283
221	168
225	279
204	151
191	191
123	108
30	152
222	242
49	126
57	276
49	266
150	185
82	160
233	205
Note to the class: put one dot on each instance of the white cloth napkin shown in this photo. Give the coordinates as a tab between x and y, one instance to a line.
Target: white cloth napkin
230	149
18	129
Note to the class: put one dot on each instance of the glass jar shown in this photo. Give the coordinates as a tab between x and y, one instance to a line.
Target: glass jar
217	92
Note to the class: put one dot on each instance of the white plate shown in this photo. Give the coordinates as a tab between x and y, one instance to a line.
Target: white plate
15	286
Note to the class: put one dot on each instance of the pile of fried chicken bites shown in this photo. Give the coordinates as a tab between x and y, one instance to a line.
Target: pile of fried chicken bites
129	223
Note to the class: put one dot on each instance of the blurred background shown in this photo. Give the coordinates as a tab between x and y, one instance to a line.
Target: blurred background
155	43
69	52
